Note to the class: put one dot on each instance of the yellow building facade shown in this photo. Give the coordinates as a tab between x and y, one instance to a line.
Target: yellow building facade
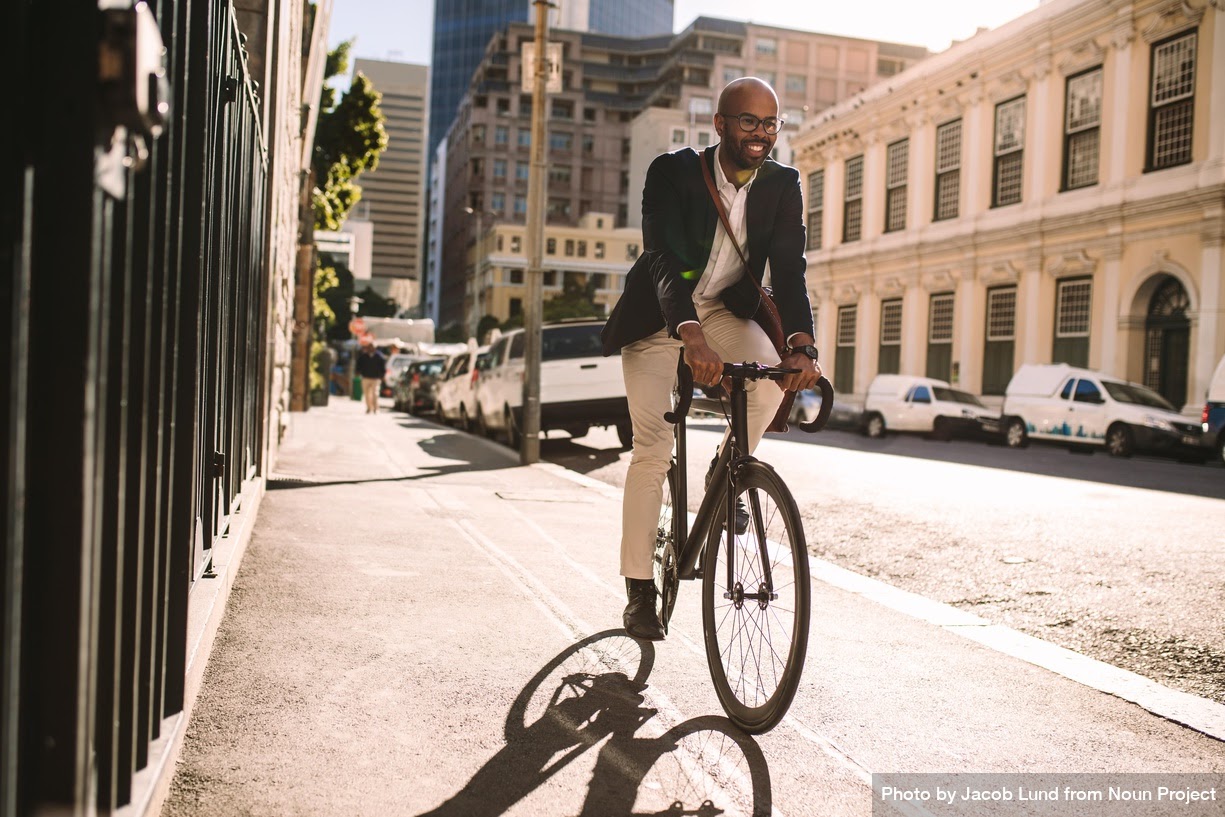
1050	191
595	254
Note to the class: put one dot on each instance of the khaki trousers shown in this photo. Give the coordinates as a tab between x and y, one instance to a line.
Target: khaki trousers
370	393
649	366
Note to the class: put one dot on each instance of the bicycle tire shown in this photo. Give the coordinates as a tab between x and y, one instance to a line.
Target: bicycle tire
664	559
740	632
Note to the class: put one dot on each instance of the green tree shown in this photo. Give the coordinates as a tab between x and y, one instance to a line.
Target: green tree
577	300
484	325
349	138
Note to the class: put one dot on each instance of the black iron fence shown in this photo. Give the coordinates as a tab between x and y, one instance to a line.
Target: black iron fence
132	352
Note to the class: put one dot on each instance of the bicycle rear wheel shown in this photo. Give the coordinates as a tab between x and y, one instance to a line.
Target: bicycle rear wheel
667	579
755	604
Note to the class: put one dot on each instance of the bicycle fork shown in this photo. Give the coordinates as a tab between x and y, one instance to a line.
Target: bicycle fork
736	593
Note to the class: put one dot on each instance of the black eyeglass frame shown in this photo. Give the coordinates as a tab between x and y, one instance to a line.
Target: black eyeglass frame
740	117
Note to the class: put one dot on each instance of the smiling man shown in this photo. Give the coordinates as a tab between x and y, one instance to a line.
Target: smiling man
690	288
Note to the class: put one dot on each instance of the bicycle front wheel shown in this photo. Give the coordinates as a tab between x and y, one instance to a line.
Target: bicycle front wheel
756	603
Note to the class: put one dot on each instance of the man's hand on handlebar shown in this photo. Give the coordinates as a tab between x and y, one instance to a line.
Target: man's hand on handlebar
707	367
805	378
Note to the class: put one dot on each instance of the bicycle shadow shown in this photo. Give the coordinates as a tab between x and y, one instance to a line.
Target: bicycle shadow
590	694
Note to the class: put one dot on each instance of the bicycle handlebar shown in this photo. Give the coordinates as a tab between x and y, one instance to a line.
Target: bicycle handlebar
749	371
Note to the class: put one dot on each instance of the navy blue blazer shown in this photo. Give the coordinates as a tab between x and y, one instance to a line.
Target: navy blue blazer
678	229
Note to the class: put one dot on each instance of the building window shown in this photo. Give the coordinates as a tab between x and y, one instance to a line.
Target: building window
562	109
559	174
844	350
767	46
1073	311
558	208
497	202
520	205
631	252
516	276
766	77
525	138
1001	338
732	72
816	208
852	211
522	171
561	141
1009	150
516	245
1172	102
948	170
890	359
478	134
599	249
582	248
570	246
550	246
940	336
588	144
550	278
1082	121
501	135
897	162
678	136
499	168
704	138
796	84
516	308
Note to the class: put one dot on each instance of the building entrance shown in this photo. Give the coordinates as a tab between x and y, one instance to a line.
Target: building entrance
1167	332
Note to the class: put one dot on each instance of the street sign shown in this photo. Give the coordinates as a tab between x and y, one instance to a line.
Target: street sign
553	70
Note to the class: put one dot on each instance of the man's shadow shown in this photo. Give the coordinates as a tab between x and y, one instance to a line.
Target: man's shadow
591	693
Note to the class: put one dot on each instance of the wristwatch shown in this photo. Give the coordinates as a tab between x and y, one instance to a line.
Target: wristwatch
810	351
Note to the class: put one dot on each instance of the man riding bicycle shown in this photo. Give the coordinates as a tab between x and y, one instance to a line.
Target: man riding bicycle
690	288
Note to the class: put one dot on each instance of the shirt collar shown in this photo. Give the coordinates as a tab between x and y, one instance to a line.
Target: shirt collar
721	177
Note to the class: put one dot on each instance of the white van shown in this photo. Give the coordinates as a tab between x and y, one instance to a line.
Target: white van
898	402
1087	409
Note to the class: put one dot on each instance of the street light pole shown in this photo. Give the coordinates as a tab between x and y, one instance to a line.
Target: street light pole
534	306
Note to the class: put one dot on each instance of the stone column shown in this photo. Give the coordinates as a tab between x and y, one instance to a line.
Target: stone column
1037	135
977	150
1212	305
967	340
1118	83
1112	272
914	328
1216	88
873	189
922	171
1029	301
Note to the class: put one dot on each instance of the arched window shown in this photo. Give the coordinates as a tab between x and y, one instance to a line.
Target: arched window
1167	332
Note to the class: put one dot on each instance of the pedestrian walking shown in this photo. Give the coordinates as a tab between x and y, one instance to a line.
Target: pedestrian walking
698	286
371	366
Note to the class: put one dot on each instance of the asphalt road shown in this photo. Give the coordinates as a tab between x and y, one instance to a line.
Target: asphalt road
1120	560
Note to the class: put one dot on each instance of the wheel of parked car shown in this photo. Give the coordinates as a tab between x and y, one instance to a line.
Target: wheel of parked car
1014	433
1118	440
625	433
513	437
874	426
482	428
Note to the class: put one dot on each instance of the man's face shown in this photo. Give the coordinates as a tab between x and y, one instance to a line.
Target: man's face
747	149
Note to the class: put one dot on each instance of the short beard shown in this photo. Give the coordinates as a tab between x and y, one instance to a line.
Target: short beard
741	158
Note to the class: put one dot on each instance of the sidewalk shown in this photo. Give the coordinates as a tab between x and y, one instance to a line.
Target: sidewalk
421	625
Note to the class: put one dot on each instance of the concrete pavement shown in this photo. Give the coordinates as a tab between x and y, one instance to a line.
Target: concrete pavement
419	625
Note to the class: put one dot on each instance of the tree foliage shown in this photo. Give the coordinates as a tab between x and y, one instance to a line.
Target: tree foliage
577	300
349	138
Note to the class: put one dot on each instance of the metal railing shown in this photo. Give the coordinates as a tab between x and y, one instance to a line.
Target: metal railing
133	354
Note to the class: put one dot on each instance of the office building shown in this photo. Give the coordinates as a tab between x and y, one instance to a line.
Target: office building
595	150
393	195
1049	191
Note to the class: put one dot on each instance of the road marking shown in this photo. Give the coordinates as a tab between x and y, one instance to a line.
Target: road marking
574	628
1192	711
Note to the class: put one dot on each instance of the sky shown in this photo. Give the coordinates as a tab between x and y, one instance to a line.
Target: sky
401	30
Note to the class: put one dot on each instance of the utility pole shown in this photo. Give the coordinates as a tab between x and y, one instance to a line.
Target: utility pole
533	307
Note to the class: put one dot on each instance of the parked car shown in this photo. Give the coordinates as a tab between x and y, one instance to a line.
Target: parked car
416	390
579	387
1213	420
457	388
396	364
843	415
1090	410
897	402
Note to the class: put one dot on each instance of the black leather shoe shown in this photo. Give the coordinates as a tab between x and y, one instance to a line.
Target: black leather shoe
742	513
640	618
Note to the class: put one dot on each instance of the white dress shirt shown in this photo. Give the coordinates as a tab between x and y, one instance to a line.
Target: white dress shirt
723	267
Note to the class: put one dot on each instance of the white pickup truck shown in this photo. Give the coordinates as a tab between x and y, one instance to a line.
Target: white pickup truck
579	387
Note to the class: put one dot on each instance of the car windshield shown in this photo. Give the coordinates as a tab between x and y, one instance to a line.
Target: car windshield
955	396
565	342
1137	395
429	366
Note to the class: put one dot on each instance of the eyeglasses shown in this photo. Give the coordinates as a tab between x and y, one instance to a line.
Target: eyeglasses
749	123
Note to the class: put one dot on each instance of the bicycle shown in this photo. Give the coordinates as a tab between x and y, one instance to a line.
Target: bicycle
755	578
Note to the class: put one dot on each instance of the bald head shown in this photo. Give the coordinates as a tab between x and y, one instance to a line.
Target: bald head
746	93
